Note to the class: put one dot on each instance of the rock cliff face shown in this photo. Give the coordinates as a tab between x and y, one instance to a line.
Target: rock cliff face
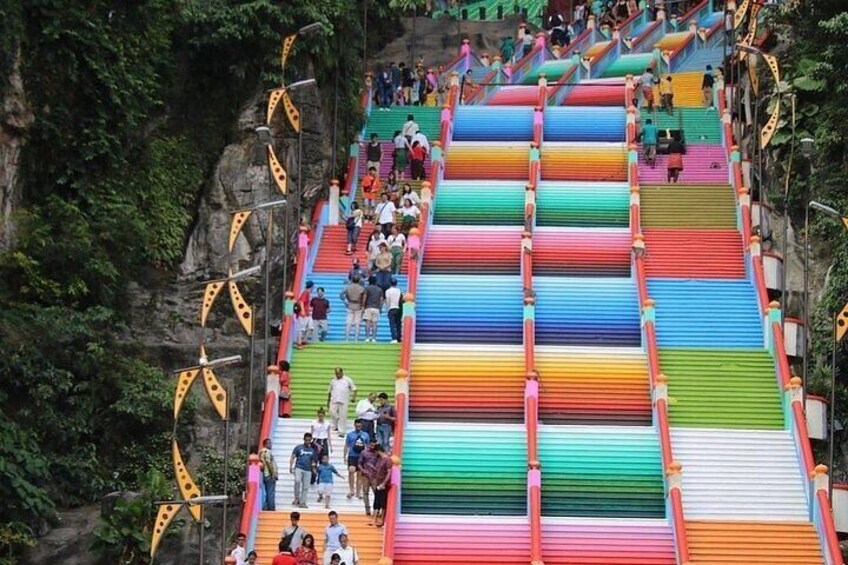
15	119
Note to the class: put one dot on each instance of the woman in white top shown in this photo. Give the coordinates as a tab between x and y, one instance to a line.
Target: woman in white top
374	241
410	213
321	432
397	242
410	194
353	224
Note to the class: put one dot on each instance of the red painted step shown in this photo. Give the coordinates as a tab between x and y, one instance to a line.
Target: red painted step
694	253
458	250
331	252
581	251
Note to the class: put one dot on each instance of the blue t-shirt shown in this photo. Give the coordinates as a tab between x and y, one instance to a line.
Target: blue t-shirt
325	473
649	134
304	455
356	443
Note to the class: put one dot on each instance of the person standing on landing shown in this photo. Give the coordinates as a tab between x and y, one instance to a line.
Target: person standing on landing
340	393
269	475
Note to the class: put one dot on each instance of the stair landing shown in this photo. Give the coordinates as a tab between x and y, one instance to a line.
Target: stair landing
753	543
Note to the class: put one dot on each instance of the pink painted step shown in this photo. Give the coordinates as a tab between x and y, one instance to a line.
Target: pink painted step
516	96
461	541
386	163
607	544
702	164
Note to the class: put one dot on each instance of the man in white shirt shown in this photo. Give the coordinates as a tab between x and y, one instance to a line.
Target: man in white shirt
367	412
348	554
332	536
422	139
238	551
386	214
409	128
341	391
393	300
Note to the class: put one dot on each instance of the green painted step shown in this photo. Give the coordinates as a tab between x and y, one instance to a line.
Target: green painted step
535	9
601	471
385	122
553	70
464	469
722	388
628	65
372	367
692	207
589	205
481	205
701	125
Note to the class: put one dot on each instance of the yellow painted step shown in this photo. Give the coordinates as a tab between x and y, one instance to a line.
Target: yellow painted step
368	540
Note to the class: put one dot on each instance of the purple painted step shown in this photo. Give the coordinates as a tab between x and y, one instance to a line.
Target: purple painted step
702	164
618	543
386	163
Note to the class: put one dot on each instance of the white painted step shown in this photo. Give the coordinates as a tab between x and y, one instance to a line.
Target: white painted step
740	474
290	434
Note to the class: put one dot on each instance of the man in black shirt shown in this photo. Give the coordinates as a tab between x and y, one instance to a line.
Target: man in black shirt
707	87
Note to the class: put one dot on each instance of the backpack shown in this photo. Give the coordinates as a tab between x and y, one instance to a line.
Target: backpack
288	539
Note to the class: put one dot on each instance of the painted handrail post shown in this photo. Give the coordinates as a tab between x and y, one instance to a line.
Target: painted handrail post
636	221
541	37
773	316
393	496
453	97
252	502
829	539
649	317
539	122
543	91
445	126
756	252
535	163
727	130
334	202
534	474
629	88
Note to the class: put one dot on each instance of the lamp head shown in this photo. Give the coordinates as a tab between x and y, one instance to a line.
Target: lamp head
310	29
807	145
264	134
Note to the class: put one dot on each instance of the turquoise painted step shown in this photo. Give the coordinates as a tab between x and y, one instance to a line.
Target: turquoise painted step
553	70
701	125
480	203
385	122
464	469
714	388
601	471
628	65
583	204
372	367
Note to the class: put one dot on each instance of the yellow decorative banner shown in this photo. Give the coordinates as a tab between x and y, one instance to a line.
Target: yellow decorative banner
771	61
217	393
770	127
164	517
291	112
184	381
842	317
273	101
739	16
185	482
210	293
239	218
277	171
243	311
286	50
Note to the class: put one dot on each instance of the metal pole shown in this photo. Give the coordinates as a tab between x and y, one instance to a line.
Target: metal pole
226	471
251	369
785	243
299	174
335	121
365	33
412	43
202	525
832	443
806	298
269	242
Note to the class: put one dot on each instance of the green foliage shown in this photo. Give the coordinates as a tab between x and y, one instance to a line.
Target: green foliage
14	536
123	535
211	474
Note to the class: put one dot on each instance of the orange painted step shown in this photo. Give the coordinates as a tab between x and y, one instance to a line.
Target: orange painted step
682	253
368	540
753	543
331	253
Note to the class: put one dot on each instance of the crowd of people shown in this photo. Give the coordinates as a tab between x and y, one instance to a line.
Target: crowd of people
298	547
402	85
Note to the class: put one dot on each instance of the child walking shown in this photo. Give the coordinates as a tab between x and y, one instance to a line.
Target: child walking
326	470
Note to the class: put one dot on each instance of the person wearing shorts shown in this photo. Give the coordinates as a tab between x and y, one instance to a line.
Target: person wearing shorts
354	298
356	442
320	308
380	482
373	306
326	470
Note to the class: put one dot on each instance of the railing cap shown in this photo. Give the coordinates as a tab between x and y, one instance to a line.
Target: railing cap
649	302
401	374
661	379
409	297
290	294
273	369
529	300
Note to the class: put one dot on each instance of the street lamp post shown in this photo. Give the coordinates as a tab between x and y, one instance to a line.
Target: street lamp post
807	145
202	502
831	444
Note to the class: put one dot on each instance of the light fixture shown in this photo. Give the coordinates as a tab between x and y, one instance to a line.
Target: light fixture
310	29
748	49
271	204
807	144
823	208
300	84
264	133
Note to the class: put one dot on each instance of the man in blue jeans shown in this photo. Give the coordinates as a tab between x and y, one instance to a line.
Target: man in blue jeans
386	416
303	459
269	475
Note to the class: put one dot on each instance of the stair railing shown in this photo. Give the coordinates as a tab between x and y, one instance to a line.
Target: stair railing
658	381
816	476
415	250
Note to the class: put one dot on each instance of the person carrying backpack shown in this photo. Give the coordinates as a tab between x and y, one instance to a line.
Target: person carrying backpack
293	535
353	225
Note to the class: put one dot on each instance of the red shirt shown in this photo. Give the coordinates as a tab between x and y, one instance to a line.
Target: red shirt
418	153
370	184
283	559
304	299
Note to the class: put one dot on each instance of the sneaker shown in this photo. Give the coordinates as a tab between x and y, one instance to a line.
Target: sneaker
320	498
393	341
